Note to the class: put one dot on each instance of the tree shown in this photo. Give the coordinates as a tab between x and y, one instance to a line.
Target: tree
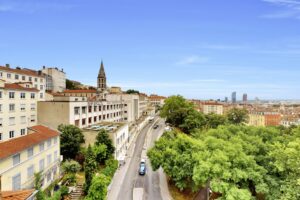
100	152
214	120
176	109
238	162
103	138
194	120
237	116
98	189
70	85
70	140
90	167
71	167
131	91
38	186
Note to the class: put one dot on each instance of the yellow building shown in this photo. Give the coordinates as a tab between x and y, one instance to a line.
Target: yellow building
256	119
21	157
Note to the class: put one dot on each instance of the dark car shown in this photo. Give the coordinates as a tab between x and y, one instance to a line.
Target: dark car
142	169
155	126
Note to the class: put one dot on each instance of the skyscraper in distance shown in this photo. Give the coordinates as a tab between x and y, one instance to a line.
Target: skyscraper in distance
233	97
245	98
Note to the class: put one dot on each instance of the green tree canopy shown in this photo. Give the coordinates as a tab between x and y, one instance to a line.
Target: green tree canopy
238	162
100	152
90	167
98	189
70	140
131	91
176	109
71	166
103	138
237	116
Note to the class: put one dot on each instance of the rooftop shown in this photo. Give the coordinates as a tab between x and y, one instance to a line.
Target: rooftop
16	195
15	86
37	135
20	71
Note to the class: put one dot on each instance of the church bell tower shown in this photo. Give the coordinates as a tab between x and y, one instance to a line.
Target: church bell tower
101	81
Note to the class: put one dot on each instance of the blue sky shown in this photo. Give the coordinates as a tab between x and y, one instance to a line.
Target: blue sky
198	48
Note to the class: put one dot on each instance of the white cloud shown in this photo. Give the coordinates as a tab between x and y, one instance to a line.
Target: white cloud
291	9
192	60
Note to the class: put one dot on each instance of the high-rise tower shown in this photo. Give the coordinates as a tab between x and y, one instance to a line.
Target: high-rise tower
101	81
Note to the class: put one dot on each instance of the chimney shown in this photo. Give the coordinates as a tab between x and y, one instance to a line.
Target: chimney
18	67
62	69
7	65
44	67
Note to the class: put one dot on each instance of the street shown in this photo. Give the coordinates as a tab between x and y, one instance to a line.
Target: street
149	182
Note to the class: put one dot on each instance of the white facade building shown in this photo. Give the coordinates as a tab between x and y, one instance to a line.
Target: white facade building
56	79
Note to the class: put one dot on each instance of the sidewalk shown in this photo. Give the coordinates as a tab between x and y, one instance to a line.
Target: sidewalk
120	174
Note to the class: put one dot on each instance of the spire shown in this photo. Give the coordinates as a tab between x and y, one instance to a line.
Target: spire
101	71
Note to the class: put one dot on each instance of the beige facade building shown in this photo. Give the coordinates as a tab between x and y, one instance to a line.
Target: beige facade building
21	157
209	107
55	79
18	109
78	111
19	75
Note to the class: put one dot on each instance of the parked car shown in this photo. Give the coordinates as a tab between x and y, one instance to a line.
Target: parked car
142	168
155	126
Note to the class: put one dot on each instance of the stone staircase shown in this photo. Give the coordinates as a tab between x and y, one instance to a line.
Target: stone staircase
77	193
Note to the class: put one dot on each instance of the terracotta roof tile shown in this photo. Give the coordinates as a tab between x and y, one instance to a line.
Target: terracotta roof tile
21	71
15	86
16	195
13	146
80	91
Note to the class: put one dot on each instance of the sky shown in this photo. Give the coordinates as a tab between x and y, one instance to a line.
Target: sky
203	49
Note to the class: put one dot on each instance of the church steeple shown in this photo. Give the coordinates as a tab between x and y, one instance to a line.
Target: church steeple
101	81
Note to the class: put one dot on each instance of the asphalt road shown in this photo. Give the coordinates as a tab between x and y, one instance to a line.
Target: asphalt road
150	182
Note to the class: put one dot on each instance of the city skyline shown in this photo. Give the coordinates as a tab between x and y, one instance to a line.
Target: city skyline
200	50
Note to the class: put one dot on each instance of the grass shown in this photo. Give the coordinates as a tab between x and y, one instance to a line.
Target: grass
180	195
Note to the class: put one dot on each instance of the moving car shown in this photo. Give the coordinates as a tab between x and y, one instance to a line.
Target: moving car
142	168
155	126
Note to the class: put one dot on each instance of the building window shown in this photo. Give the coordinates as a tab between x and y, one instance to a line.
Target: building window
23	107
83	110
55	155
0	107
32	106
30	152
90	109
16	76
11	134
42	147
32	95
0	136
23	131
8	75
76	110
30	171
41	80
11	95
35	79
22	95
55	140
41	95
23	119
49	159
48	143
1	122
11	107
32	118
16	159
95	108
30	79
16	182
41	87
23	78
42	164
0	95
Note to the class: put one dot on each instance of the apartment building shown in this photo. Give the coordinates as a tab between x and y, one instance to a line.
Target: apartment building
118	133
264	119
21	157
18	109
23	75
55	79
156	100
79	111
209	107
143	104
